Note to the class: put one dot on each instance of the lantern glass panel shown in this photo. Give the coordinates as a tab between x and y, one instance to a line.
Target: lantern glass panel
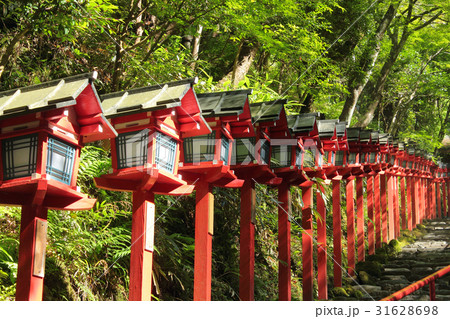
392	159
199	148
243	152
326	157
132	149
362	158
60	160
298	157
320	161
340	158
373	157
265	152
410	164
166	148
224	150
19	156
309	158
281	156
352	158
404	164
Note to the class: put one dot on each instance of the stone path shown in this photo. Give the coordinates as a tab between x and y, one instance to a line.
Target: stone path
416	261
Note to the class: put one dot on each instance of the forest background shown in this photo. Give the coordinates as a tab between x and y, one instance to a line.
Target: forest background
377	64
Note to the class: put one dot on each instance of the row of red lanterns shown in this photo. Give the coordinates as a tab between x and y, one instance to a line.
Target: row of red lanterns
166	139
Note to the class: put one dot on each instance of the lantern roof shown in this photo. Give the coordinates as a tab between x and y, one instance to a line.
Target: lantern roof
364	136
353	134
374	137
223	103
327	128
267	111
160	97
77	91
401	146
341	129
231	108
305	124
384	139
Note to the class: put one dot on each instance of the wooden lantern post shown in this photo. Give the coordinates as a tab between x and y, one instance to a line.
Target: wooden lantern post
206	163
370	161
43	128
352	169
286	162
446	191
151	122
333	136
306	129
408	164
398	158
386	148
251	163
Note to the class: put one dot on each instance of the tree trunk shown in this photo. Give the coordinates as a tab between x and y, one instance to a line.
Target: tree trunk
443	128
244	59
397	46
359	79
4	58
307	103
196	46
115	85
377	93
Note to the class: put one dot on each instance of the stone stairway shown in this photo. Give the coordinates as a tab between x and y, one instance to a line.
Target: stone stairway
425	256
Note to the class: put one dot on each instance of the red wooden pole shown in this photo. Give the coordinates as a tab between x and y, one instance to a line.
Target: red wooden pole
418	201
421	199
360	218
448	198
390	184
410	205
396	208
383	208
439	204
350	227
307	244
403	199
141	256
435	199
444	200
204	222
247	242
370	222
321	245
427	208
432	286
337	249
376	205
284	243
415	201
31	264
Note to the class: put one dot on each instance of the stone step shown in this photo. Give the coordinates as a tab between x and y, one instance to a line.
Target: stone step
397	271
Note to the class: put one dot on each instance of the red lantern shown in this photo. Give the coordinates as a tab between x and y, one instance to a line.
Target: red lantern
207	163
151	123
43	128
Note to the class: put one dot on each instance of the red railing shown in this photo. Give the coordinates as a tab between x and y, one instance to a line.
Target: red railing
419	284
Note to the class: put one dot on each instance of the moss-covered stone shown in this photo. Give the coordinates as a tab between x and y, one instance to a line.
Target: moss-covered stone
394	246
373	268
365	278
350	290
339	292
359	294
421	227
